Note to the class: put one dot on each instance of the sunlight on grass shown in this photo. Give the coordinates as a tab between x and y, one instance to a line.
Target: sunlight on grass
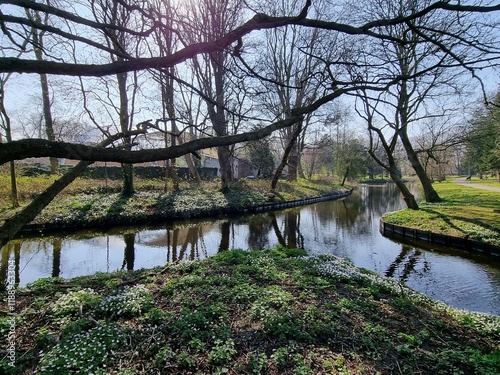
464	212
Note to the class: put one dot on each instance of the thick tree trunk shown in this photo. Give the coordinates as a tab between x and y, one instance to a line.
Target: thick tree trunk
226	172
128	169
193	171
13	185
430	194
393	171
218	118
223	152
285	158
408	197
128	179
293	160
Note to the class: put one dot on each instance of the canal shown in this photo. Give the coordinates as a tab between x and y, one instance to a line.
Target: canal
348	228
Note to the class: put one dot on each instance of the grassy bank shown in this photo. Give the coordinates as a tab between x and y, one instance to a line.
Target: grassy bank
464	212
92	203
264	312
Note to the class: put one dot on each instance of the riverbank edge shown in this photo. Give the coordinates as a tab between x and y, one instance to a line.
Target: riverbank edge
164	216
425	237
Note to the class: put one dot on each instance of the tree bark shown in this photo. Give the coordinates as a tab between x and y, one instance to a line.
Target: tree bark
44	83
127	168
284	160
430	194
13	186
293	160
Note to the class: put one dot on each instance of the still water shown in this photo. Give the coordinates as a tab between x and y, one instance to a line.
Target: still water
346	228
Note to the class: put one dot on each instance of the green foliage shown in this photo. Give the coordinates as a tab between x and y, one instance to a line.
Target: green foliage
45	338
186	360
252	313
6	368
484	363
202	322
262	158
83	353
222	352
46	285
350	159
272	299
483	140
131	301
281	357
165	357
287	326
257	364
463	212
73	303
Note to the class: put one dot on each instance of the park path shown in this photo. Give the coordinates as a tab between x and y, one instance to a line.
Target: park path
477	186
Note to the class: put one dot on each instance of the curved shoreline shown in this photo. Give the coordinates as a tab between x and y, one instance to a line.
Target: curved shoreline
103	222
417	235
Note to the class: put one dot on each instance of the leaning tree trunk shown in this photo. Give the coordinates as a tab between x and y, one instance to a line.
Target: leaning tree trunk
408	197
429	193
12	225
392	169
345	175
284	160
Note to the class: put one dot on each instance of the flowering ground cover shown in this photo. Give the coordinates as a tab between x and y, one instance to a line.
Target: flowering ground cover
244	312
88	203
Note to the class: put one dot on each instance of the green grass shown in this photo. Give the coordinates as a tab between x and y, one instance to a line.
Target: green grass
87	202
464	212
263	312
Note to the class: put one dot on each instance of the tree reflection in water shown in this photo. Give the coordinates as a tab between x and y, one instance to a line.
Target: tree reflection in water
407	259
346	228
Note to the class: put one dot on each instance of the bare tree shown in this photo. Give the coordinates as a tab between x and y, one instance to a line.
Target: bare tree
211	20
424	73
122	47
229	38
388	141
294	78
6	126
38	48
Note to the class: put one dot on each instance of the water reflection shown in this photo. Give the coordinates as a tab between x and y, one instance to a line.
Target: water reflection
347	228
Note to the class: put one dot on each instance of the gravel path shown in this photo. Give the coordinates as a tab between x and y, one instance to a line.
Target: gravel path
477	186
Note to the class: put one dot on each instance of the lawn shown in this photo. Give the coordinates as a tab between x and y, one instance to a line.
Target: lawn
464	212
